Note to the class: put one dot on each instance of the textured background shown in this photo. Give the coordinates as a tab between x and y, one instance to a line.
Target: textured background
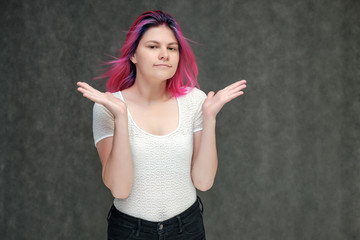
288	149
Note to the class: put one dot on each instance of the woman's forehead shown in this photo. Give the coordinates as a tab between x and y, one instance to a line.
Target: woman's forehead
159	34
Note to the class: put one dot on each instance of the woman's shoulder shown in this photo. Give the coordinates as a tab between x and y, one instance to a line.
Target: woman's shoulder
97	107
193	100
118	94
195	94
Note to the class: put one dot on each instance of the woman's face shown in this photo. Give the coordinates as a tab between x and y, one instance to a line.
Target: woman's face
157	55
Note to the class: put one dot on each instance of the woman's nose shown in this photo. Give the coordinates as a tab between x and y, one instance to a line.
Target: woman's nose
164	55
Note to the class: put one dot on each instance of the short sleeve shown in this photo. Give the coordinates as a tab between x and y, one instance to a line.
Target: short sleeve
199	98
103	123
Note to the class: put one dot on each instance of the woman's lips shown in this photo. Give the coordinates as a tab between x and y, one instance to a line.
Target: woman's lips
162	65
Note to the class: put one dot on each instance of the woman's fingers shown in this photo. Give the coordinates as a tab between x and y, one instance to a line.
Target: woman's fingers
83	84
232	91
236	86
84	87
211	94
237	90
90	92
112	103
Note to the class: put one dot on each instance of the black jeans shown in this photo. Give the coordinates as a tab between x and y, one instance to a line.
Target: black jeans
188	225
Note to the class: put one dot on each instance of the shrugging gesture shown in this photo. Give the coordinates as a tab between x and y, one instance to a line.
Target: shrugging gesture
146	169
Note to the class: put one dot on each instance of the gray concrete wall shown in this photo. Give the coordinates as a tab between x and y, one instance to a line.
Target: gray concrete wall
288	149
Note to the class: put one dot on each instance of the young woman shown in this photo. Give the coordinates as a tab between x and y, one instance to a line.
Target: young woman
155	133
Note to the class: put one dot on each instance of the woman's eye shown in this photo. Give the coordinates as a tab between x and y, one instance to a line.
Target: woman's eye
152	46
172	49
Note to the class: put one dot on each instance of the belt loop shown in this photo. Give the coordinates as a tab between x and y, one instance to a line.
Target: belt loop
180	223
138	227
201	206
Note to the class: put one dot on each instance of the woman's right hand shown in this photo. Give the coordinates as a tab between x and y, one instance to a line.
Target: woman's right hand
113	104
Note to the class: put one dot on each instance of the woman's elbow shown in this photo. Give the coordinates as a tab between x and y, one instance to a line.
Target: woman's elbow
120	194
120	191
204	186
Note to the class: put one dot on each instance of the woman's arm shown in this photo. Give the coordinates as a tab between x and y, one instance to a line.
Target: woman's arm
114	152
205	161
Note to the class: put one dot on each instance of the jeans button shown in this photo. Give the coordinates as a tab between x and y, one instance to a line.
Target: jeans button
161	227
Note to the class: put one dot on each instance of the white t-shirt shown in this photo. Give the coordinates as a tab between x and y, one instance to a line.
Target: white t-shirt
162	181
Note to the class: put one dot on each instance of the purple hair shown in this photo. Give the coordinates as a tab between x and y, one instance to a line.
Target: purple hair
121	75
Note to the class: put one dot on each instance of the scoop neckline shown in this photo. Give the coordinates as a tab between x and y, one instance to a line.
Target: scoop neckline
146	132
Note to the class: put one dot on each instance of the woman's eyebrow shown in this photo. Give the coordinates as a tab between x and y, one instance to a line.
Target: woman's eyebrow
153	41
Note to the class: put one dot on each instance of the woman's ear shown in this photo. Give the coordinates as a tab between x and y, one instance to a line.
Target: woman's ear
133	59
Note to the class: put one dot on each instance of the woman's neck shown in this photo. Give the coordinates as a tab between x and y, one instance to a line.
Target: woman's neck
150	92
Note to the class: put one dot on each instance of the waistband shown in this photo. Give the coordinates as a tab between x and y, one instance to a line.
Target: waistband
169	224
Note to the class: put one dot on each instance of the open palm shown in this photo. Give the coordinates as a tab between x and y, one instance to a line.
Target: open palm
214	102
112	103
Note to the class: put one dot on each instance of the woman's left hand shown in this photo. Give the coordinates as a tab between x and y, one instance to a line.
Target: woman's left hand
214	102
